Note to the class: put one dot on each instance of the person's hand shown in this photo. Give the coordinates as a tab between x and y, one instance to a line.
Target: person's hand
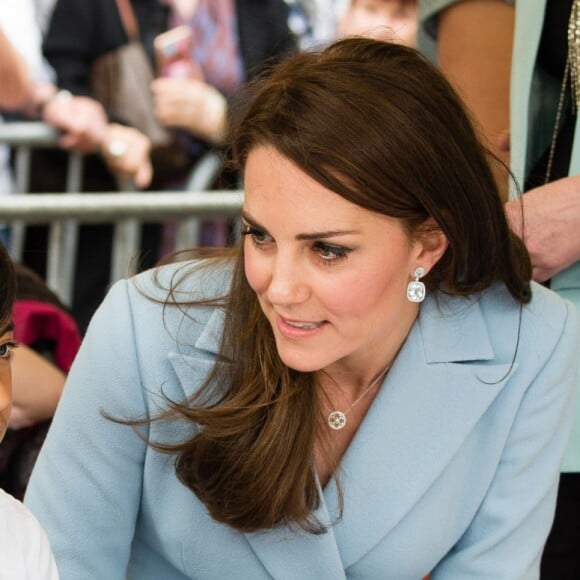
126	153
193	105
41	93
551	225
82	120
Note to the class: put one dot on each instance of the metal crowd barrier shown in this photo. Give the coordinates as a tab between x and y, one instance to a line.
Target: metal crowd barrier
23	137
127	209
58	209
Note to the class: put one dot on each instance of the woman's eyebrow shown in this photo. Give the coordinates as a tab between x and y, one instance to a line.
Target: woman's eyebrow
250	220
305	236
328	234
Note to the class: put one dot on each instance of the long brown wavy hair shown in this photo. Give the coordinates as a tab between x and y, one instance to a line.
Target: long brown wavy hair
380	126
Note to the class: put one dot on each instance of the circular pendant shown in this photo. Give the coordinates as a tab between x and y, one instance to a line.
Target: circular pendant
336	420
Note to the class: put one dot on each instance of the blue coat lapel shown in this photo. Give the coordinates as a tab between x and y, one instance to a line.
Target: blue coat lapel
443	372
292	555
433	380
192	369
382	483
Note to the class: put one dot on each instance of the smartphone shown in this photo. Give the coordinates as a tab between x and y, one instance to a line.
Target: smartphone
173	53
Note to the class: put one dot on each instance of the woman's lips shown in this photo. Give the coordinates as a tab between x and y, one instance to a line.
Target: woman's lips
297	329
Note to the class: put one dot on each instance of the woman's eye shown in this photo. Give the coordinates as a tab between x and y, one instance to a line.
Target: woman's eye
331	253
257	236
6	349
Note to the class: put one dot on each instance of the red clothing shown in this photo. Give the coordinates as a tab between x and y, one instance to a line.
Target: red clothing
35	321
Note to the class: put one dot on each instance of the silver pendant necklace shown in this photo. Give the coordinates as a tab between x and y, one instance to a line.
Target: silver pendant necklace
337	419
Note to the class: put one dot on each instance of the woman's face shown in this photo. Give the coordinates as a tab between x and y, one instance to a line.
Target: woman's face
330	276
393	20
6	345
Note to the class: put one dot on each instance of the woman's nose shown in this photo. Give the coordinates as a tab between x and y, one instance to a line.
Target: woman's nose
288	283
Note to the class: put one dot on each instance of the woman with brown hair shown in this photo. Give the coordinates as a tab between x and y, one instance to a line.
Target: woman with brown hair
368	386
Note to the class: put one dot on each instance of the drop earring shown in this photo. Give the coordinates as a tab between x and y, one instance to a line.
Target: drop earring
416	288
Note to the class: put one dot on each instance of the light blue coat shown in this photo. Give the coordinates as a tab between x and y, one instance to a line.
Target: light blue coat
454	469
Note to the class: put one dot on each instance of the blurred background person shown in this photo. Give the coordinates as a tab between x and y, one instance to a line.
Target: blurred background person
314	22
392	20
224	43
43	95
86	125
229	43
82	121
15	76
15	87
78	34
474	41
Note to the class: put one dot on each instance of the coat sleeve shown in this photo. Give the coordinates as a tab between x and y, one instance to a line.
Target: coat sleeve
506	538
86	485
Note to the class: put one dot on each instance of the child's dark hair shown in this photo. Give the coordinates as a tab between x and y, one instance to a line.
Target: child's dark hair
7	287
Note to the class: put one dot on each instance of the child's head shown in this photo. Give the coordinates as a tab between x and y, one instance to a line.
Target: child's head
393	20
7	294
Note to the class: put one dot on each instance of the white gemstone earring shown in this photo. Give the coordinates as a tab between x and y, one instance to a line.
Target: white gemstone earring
416	288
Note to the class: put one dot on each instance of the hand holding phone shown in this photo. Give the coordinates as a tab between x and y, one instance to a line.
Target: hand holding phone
173	54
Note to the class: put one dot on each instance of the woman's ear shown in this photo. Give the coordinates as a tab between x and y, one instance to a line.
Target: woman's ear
431	244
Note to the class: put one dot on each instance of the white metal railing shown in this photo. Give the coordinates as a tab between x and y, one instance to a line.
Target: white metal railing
23	137
126	209
57	209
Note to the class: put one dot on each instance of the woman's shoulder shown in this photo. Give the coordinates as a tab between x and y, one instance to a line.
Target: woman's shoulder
181	282
547	304
158	304
538	325
196	279
492	323
546	308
